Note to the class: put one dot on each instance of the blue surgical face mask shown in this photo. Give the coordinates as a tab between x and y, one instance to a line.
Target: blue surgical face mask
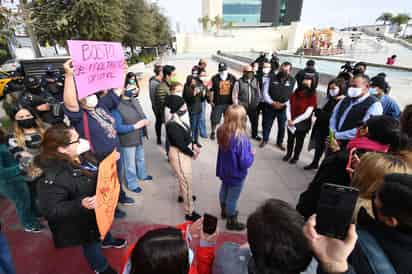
373	91
191	256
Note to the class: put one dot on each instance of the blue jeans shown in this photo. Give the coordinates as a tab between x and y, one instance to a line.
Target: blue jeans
202	123
6	261
194	124
134	167
229	196
94	255
269	116
122	194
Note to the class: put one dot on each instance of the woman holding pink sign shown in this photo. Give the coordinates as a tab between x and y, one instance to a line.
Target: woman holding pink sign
92	119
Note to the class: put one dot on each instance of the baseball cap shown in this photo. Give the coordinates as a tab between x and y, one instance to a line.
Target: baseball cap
222	67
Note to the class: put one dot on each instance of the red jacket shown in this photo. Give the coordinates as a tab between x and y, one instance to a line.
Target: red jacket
202	264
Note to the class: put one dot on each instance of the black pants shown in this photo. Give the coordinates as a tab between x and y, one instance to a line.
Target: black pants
158	125
320	145
295	144
254	119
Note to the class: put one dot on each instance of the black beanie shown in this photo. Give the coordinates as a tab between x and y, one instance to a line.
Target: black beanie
174	102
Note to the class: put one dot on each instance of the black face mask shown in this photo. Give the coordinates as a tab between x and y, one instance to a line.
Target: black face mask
27	123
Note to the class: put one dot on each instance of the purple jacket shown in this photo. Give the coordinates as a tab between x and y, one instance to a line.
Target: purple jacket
233	163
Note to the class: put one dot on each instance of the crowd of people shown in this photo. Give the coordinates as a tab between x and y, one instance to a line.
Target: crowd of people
49	161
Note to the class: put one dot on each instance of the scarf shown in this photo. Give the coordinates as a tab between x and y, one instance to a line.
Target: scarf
105	121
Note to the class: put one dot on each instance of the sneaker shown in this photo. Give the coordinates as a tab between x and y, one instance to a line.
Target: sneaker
293	161
109	270
281	147
119	214
198	145
148	178
286	158
136	190
310	167
115	243
33	229
263	144
257	138
192	217
127	200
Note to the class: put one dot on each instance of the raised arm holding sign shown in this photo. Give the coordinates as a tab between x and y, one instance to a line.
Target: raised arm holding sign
97	66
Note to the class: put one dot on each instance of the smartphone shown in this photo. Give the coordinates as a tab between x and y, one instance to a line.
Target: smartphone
335	210
209	224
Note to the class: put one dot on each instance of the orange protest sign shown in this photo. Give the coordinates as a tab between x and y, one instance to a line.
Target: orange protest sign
107	193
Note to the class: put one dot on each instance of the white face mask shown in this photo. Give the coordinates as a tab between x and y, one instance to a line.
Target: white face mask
92	101
266	70
83	146
334	92
354	92
204	79
223	75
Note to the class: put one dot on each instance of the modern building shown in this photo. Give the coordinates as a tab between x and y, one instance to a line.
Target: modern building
242	11
254	12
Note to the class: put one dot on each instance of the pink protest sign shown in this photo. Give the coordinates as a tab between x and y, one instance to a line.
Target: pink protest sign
97	66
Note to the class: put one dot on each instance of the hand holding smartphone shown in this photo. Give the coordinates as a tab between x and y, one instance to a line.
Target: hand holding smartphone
209	224
335	210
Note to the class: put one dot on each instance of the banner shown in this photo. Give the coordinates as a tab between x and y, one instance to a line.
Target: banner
107	193
97	66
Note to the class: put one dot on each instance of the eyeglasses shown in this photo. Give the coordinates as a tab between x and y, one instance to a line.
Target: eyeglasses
74	142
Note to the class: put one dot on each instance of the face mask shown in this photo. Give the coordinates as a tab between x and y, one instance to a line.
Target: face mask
223	75
334	92
190	255
203	79
82	147
354	92
92	101
27	123
184	116
266	70
132	82
373	91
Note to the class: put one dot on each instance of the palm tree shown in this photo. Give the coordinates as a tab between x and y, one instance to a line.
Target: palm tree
385	17
205	20
218	22
401	19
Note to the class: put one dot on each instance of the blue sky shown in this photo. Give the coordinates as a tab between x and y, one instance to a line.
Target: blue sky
317	13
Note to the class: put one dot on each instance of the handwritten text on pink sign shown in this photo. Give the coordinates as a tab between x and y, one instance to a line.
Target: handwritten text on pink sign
97	66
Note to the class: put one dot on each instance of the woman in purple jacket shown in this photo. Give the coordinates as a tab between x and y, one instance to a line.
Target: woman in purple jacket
234	158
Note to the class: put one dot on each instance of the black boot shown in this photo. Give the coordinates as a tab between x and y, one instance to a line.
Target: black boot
232	223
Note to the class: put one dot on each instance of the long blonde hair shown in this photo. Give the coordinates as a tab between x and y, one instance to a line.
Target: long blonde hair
368	175
234	125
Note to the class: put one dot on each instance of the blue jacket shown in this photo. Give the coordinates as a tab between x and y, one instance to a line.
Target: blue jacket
233	163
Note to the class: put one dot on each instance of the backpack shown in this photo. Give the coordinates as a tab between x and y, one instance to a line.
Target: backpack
377	259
